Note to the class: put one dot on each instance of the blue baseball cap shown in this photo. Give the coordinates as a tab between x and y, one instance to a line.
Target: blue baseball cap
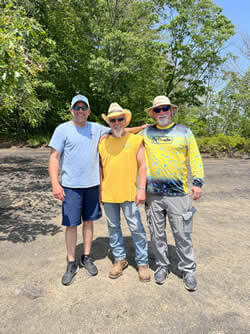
79	98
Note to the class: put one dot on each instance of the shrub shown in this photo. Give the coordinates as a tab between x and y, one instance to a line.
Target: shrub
36	141
223	144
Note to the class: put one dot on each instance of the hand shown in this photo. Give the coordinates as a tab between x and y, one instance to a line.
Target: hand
145	126
140	197
102	137
58	192
195	192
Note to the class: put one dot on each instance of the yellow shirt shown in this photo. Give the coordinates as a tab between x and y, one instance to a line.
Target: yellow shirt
168	151
120	167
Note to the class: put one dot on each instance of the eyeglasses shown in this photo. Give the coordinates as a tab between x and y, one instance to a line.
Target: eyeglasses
164	108
113	120
77	108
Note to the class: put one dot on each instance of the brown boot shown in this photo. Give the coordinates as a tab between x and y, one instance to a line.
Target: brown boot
117	268
144	273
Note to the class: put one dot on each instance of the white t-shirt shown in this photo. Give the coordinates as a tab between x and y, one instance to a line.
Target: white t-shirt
79	153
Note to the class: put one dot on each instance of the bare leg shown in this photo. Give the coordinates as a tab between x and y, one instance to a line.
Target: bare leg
87	235
70	239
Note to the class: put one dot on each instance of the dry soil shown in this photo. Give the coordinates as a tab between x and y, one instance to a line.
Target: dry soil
33	300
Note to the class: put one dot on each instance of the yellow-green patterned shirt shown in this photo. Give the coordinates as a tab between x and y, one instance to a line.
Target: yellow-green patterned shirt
168	151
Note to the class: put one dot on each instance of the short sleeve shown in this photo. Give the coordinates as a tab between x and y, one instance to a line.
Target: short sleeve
58	139
103	129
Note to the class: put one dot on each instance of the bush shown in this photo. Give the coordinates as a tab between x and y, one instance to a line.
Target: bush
247	145
36	141
223	144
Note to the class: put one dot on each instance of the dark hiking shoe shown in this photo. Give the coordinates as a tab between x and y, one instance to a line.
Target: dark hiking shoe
189	280
87	263
161	275
71	271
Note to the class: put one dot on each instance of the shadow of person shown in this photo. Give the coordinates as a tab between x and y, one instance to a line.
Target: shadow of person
101	249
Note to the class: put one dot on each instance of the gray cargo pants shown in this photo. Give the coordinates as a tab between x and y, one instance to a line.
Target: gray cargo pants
179	211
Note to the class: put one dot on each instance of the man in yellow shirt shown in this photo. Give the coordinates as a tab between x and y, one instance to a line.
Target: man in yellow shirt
122	158
170	147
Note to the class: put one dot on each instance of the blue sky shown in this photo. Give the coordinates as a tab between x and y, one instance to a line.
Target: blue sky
239	13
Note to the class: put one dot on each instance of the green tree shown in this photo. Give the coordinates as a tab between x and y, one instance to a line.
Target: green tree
21	39
194	33
124	61
126	51
232	105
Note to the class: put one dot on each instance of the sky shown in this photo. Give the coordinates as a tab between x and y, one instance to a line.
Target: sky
239	13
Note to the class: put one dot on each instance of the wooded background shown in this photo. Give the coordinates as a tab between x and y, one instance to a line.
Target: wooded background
125	51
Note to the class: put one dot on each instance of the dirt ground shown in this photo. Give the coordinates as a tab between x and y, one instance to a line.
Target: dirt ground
33	300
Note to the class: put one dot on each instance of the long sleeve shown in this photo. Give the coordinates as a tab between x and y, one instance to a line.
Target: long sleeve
195	161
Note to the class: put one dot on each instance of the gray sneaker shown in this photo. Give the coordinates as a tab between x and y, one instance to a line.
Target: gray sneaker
88	264
161	275
71	271
189	280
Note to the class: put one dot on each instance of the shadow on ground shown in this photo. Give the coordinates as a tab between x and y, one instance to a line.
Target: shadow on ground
15	230
100	250
26	202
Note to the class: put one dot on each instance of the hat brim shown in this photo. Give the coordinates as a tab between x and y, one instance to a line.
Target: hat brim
150	110
124	112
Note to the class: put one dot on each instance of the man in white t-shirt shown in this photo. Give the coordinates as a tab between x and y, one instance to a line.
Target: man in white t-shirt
74	148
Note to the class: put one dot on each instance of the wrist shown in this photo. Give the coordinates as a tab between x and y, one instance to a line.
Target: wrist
141	188
55	184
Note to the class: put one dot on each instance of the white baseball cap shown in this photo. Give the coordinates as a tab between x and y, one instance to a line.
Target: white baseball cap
79	98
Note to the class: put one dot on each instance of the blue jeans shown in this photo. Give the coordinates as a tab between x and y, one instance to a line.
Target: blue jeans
132	215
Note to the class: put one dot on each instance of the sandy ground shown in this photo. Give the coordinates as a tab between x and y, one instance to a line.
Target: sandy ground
33	300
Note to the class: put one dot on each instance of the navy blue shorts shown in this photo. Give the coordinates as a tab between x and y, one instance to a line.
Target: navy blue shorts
80	203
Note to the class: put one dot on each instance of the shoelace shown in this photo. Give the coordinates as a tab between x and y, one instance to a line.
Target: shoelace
88	259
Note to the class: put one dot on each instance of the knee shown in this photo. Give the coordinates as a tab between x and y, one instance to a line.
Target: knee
71	229
88	223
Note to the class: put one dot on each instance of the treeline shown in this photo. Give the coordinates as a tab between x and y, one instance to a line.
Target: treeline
126	51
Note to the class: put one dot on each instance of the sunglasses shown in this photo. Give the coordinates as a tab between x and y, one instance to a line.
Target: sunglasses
113	120
164	108
77	108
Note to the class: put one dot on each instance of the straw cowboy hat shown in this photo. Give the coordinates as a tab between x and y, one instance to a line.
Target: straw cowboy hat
116	110
161	101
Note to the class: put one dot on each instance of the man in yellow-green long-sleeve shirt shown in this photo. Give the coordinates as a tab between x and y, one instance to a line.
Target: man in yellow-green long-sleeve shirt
169	148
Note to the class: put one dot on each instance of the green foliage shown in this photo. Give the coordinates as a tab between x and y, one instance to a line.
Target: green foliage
21	62
38	140
125	51
193	32
223	144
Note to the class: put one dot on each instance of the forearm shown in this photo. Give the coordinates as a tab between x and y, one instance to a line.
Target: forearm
136	129
141	168
53	170
196	164
142	178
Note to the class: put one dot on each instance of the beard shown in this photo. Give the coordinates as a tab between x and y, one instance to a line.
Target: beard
163	121
117	132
